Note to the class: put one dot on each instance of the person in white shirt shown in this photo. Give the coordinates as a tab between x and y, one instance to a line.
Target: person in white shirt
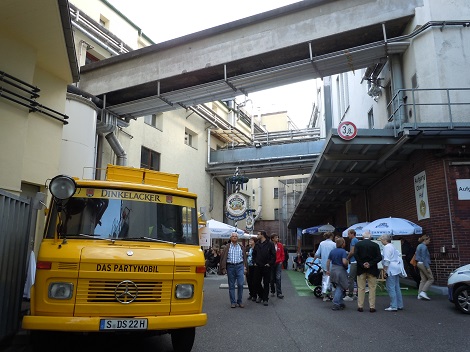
392	269
323	251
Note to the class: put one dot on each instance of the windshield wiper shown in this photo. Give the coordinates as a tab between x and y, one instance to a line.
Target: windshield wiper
157	240
146	238
82	235
95	237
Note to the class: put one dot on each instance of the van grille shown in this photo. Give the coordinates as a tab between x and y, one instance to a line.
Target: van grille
99	291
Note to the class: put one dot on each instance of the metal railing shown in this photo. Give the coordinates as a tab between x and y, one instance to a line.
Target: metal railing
429	107
15	232
25	94
280	137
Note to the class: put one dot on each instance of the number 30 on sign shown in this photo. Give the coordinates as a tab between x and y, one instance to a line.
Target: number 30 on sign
347	130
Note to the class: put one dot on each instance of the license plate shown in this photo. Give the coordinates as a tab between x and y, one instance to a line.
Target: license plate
123	324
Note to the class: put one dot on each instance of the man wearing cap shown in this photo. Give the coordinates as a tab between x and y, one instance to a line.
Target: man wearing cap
367	255
233	263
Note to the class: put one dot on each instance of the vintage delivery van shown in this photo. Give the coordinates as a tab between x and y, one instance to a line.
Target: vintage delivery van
120	254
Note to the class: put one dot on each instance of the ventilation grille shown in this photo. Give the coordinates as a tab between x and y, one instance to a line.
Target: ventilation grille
183	269
67	266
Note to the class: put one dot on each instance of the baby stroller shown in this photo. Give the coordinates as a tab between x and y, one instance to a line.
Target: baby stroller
313	276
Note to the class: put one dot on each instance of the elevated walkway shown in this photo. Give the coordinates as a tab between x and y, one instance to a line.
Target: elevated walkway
304	40
266	161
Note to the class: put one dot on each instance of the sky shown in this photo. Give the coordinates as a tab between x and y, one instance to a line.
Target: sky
164	20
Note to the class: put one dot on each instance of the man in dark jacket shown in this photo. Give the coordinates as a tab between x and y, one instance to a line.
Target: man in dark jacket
367	255
264	257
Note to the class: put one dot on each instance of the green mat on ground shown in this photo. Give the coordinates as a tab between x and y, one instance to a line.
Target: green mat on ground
298	281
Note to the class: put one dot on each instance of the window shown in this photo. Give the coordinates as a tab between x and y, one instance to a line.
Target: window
414	81
190	138
150	119
370	118
276	193
276	213
104	22
90	58
149	159
154	120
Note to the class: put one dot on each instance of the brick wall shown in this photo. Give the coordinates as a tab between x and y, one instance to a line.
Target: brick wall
270	226
394	196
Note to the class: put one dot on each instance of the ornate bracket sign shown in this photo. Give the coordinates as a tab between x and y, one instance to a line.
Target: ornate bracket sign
347	130
236	206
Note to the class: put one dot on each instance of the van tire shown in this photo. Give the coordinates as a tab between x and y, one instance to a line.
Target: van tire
183	339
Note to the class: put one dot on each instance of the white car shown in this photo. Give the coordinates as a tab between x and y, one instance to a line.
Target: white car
459	288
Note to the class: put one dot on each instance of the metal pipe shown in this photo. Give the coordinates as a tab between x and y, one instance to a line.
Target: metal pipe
117	148
260	202
99	156
448	204
92	37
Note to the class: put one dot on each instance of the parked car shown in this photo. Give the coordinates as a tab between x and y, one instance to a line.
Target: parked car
459	288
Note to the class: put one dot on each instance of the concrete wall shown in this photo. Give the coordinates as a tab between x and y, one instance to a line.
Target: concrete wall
30	141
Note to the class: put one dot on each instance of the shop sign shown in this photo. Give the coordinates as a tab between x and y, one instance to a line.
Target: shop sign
463	189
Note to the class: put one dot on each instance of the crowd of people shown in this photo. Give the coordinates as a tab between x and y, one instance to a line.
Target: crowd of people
265	257
262	263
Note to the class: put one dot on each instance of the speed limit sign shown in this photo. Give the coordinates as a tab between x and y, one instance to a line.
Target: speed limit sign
347	130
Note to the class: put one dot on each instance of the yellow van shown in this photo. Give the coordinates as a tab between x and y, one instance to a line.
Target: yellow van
120	255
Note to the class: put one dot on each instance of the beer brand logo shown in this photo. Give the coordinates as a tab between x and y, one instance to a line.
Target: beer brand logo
422	208
236	204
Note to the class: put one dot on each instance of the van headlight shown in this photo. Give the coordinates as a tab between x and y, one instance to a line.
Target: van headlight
184	291
60	290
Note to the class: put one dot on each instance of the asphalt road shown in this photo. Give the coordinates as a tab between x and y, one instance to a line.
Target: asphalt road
299	324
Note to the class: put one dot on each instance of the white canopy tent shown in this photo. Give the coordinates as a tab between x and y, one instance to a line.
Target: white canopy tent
222	230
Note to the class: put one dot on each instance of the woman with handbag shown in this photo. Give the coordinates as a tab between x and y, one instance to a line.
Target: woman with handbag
424	265
392	266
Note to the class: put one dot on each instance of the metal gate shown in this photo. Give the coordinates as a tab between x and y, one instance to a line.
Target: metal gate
15	229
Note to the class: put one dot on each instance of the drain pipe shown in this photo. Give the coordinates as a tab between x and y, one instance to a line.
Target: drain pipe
107	126
211	198
260	202
448	204
211	190
117	148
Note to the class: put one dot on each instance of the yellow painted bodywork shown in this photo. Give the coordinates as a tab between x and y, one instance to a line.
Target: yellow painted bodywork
95	268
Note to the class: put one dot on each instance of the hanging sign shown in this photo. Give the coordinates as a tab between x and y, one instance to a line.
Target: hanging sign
421	196
250	221
347	130
236	206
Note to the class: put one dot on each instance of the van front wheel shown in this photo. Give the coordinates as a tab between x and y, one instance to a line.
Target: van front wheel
183	339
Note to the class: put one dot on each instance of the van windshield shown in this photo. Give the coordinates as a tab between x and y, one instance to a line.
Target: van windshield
134	215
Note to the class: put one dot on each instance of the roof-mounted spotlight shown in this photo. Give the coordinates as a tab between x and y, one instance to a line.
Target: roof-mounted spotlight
257	144
62	187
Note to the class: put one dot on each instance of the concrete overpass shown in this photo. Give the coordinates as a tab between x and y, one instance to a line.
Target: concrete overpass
304	40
